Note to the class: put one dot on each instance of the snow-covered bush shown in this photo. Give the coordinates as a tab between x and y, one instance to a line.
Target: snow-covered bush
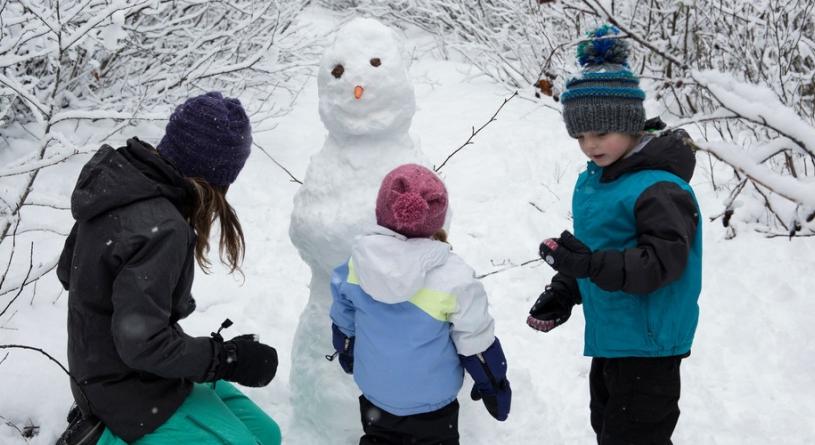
770	44
73	62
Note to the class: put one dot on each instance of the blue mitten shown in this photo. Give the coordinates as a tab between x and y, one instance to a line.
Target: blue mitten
489	370
344	347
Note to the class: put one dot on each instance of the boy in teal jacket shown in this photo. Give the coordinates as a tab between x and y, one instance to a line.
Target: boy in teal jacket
635	259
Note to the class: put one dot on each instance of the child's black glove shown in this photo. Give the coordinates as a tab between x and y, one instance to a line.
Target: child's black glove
567	255
246	361
551	310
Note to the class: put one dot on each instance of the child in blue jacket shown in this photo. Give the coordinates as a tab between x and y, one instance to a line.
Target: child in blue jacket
635	259
409	316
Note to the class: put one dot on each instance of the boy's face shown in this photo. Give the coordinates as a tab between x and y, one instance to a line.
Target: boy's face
606	148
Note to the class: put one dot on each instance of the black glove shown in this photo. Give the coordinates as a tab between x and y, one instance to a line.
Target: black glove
567	255
551	310
246	361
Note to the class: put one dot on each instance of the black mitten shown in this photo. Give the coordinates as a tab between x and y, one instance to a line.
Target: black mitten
567	255
549	311
246	361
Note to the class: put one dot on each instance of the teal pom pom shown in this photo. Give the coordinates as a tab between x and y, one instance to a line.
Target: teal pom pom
603	48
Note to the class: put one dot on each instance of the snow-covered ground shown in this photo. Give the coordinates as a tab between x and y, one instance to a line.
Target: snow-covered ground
751	376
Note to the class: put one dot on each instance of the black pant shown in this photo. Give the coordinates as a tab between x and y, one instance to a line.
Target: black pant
634	400
438	427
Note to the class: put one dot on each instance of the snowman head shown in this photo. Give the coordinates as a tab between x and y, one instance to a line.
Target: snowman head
363	83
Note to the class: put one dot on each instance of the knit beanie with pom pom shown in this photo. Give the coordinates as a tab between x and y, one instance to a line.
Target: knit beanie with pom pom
412	201
605	97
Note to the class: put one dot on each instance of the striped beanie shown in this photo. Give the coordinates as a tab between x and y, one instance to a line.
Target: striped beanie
605	97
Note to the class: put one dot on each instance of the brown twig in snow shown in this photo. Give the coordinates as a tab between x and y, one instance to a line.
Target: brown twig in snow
475	132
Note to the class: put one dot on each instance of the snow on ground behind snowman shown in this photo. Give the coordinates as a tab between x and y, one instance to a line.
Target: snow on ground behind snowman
749	379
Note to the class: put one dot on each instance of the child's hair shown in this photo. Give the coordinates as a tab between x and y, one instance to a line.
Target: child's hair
210	203
440	235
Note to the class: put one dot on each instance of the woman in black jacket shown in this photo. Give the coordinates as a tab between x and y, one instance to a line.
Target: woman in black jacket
143	218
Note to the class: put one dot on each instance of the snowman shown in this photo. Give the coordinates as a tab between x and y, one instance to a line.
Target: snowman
366	103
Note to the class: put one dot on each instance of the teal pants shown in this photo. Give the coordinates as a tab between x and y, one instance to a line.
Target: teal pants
223	416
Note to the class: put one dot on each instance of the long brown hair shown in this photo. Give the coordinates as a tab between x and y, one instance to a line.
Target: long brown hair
210	203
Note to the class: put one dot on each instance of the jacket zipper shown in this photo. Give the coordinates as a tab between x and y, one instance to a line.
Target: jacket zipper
487	370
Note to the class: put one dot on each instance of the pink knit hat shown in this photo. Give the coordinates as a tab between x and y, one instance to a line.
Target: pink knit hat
412	200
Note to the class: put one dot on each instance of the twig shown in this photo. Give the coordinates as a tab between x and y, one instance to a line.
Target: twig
508	268
43	271
12	425
37	165
22	286
769	234
50	357
61	291
4	358
532	203
475	132
11	256
293	179
33	294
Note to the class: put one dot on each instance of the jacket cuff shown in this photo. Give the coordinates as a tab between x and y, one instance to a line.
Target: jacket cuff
607	270
489	368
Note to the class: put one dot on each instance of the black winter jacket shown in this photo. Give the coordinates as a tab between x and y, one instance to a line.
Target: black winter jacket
128	265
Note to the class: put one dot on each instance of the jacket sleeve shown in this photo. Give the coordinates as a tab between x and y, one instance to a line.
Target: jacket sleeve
66	258
473	329
342	309
666	218
143	333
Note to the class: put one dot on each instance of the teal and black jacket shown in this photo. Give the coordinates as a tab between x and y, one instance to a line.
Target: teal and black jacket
640	218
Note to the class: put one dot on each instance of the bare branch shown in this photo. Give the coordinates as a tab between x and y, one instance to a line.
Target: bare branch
469	140
22	286
47	162
50	357
41	271
11	254
293	178
504	269
99	18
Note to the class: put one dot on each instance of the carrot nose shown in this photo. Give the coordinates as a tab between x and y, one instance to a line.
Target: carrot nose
358	92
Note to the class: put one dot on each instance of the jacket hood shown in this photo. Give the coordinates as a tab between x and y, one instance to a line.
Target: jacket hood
118	177
392	268
672	152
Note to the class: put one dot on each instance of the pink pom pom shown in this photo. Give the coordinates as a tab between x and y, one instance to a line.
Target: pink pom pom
410	210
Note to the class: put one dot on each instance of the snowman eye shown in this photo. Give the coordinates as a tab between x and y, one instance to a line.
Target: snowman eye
376	62
337	71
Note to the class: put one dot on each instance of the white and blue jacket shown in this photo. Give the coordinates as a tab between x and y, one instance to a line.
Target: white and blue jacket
413	306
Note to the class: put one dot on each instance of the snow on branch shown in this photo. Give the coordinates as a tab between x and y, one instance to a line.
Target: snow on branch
53	159
794	190
133	60
759	105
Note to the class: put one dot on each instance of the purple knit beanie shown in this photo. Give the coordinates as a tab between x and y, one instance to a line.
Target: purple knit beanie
412	200
208	136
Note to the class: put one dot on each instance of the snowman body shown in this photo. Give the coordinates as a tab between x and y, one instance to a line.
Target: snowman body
366	103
